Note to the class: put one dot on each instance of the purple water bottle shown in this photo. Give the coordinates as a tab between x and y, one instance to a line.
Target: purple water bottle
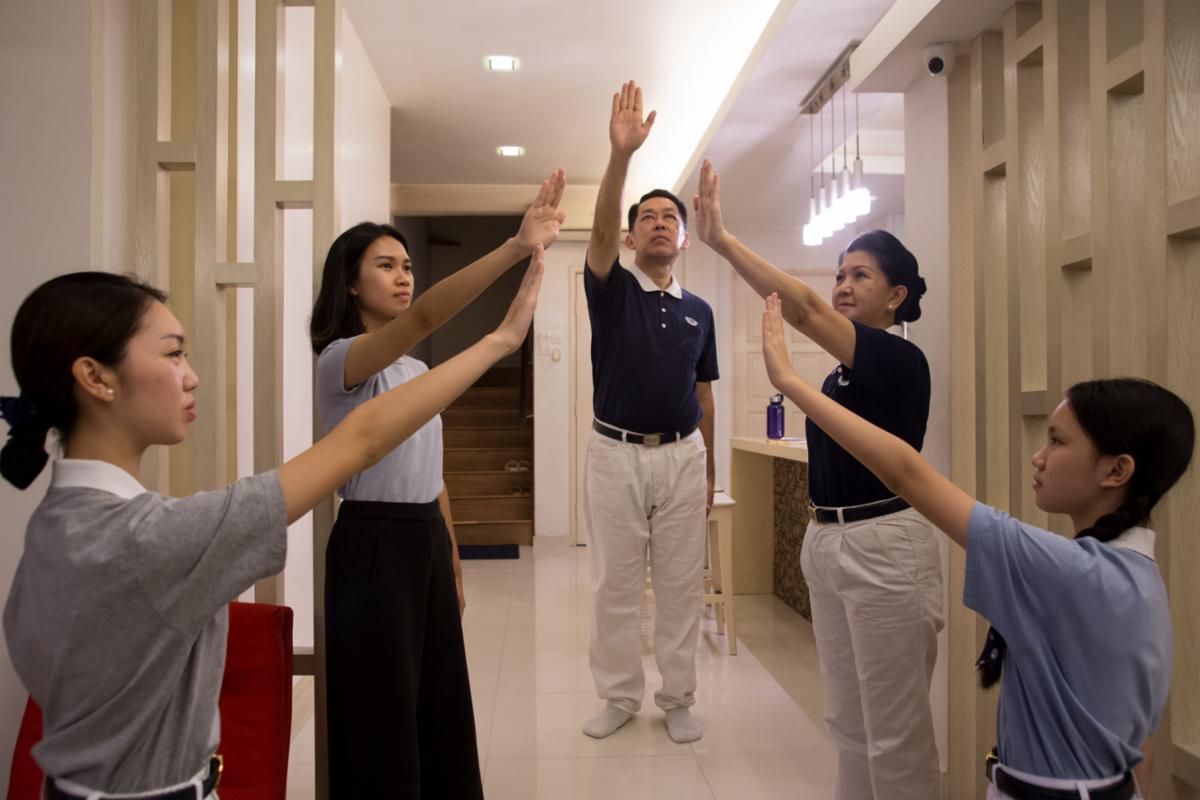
775	418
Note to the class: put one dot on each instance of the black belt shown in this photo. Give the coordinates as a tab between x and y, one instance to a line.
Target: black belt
647	439
1018	789
859	513
215	766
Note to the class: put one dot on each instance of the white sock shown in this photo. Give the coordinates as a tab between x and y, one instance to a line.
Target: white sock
606	722
682	727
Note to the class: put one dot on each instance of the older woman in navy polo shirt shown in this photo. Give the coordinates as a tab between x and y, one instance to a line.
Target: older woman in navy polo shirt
872	563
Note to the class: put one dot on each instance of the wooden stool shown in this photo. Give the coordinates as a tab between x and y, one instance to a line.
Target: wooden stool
718	568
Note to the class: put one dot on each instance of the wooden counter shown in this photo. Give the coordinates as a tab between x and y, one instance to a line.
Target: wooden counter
768	525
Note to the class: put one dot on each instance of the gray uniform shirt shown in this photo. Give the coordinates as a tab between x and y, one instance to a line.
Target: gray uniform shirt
1088	629
117	620
410	473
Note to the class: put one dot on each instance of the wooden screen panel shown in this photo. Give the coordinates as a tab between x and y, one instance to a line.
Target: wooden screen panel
1076	224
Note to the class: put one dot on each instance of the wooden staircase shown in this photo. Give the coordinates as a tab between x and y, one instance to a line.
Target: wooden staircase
483	431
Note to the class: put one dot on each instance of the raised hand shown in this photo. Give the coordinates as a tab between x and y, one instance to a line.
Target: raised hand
543	219
626	129
516	322
708	224
775	352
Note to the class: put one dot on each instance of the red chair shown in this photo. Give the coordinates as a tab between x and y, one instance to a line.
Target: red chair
256	711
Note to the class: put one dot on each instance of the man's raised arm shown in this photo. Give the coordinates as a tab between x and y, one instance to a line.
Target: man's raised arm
626	132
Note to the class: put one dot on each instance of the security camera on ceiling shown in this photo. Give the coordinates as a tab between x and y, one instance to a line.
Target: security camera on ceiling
939	58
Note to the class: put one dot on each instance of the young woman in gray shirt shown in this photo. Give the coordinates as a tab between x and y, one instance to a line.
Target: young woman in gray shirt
116	619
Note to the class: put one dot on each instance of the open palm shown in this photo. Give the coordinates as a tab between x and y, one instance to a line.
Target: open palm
543	219
775	352
708	223
516	322
626	129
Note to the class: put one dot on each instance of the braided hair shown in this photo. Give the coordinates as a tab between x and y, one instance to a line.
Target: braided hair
1122	416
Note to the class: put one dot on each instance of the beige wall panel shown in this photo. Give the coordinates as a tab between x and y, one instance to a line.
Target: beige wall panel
1125	267
1075	220
1183	108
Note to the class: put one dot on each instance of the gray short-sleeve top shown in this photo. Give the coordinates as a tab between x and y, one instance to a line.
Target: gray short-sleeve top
410	473
1088	628
116	621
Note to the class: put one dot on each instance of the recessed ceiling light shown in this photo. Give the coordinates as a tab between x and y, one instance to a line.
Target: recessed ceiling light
510	150
502	63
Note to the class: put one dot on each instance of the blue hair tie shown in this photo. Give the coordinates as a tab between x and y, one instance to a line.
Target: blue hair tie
18	412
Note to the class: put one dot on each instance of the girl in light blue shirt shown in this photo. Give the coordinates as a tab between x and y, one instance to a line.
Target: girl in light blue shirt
1082	625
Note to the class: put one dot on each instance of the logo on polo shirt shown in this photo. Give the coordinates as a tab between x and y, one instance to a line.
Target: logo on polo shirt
691	321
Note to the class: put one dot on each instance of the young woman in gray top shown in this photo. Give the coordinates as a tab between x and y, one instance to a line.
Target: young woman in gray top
115	621
400	722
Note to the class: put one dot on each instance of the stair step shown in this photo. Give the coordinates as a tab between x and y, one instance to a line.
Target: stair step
491	508
496	532
479	482
489	396
500	376
488	437
483	417
486	458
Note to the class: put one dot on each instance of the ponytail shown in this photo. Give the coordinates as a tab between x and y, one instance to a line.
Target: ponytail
24	454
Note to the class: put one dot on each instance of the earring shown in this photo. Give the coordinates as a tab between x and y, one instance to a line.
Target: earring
110	392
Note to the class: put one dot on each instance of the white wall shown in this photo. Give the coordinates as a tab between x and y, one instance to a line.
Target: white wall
927	234
552	410
61	202
364	136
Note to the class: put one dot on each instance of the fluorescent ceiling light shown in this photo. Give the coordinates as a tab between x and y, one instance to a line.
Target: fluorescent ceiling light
510	150
502	63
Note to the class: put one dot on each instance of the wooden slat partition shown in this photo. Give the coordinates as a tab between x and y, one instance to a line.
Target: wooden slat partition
1075	197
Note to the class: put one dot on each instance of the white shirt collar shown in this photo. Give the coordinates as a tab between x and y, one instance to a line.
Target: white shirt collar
1139	540
674	289
88	474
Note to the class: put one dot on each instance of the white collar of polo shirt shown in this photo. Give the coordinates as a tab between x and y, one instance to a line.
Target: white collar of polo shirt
674	289
87	474
1139	540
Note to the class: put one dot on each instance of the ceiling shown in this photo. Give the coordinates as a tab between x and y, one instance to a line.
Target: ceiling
449	114
754	59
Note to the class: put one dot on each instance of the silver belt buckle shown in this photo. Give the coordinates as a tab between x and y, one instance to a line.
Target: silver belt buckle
652	440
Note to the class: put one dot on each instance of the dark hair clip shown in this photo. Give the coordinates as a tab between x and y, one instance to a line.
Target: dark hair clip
17	411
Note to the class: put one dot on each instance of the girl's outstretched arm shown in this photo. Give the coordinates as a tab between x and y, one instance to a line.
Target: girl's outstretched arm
372	352
894	461
374	429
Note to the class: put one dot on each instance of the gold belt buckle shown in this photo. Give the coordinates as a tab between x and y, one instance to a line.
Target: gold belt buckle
220	770
652	439
989	762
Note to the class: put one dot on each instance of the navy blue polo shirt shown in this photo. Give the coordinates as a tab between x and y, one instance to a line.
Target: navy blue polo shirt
649	348
888	387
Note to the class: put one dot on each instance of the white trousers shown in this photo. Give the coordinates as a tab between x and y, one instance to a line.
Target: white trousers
876	593
641	498
1053	783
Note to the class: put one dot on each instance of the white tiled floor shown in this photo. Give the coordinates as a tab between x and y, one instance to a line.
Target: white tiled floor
527	635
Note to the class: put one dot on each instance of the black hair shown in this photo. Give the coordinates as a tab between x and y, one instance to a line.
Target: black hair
633	209
82	314
1123	416
898	265
335	313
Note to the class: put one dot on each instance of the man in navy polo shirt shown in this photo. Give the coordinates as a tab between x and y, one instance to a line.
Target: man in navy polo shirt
649	468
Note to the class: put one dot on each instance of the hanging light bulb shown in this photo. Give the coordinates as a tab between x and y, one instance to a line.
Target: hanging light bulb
845	201
837	219
860	197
